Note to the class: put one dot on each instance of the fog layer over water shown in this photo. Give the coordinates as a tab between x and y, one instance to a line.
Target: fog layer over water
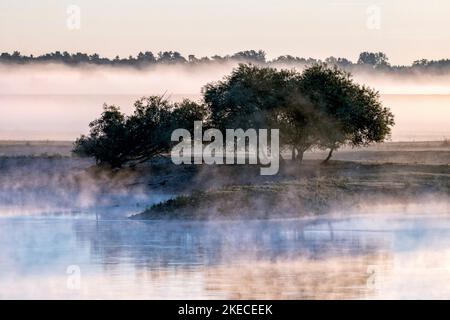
64	231
368	256
65	234
57	102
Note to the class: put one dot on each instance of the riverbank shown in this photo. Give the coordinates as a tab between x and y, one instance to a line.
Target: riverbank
308	190
45	174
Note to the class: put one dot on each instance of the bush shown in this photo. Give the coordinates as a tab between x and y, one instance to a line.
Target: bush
116	139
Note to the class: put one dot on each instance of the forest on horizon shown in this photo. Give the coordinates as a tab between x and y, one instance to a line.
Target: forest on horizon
366	61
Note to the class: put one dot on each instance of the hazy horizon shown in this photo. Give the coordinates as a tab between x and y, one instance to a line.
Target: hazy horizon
46	101
57	102
317	29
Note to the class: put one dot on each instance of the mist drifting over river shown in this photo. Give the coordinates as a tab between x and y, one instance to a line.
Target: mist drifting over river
56	102
61	212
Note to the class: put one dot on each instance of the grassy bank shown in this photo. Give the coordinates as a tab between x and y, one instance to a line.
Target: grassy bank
399	172
309	190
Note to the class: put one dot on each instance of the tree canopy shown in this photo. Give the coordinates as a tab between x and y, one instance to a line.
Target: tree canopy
117	139
348	113
374	59
246	98
321	107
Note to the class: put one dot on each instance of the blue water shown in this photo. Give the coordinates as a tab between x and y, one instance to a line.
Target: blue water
390	255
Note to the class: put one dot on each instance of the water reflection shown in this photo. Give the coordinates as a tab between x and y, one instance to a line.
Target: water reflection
254	259
163	244
367	256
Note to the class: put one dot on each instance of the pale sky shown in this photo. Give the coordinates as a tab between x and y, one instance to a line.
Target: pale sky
409	29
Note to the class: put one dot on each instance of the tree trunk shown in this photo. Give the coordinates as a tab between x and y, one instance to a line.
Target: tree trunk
329	156
300	156
293	154
297	154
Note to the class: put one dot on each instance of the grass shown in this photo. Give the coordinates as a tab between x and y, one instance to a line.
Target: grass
340	186
377	174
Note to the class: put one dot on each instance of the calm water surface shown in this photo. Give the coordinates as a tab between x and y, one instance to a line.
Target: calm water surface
388	255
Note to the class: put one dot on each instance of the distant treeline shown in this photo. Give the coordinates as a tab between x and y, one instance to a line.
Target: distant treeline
366	60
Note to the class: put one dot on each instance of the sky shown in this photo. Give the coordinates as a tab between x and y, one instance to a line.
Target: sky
406	30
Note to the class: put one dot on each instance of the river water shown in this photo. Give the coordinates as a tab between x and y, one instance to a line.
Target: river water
87	255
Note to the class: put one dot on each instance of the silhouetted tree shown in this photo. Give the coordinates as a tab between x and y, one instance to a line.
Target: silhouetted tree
348	113
250	56
171	57
146	57
374	59
321	107
340	62
261	97
108	140
245	98
117	139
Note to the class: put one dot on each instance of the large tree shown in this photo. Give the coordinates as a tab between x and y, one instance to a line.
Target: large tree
253	97
117	139
348	113
247	97
299	123
320	107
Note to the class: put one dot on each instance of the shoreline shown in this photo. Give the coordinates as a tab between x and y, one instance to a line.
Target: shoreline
388	172
313	190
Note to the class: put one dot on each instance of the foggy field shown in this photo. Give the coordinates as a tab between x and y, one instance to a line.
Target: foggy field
35	148
44	175
383	151
423	152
